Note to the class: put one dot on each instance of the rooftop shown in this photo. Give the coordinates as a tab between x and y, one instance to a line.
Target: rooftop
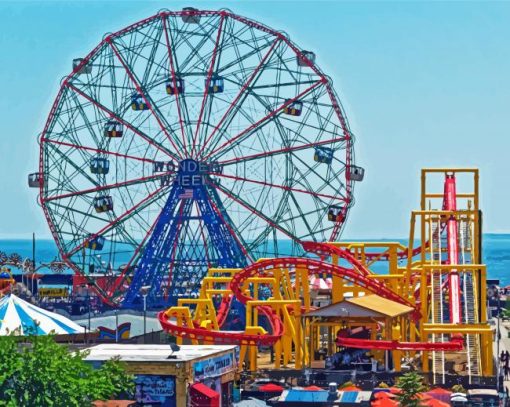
153	353
367	306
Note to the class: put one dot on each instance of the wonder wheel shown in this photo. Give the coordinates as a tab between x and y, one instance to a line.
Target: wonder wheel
189	140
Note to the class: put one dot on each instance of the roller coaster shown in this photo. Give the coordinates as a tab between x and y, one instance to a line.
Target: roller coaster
440	284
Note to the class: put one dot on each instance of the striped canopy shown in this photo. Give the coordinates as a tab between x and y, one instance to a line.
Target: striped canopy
25	318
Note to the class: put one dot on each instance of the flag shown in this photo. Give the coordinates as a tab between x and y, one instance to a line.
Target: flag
187	194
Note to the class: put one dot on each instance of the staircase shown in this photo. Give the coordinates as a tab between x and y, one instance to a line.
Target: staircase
437	309
438	357
470	310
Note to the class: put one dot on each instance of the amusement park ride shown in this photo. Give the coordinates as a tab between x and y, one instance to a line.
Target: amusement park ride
438	287
190	140
206	156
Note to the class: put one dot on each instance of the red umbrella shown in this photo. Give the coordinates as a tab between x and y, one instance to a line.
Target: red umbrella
271	388
385	403
395	390
435	403
384	395
313	388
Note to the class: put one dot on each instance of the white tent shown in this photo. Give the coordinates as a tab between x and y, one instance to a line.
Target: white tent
24	318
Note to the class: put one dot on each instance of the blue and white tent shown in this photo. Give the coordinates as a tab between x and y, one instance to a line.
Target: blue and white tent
24	318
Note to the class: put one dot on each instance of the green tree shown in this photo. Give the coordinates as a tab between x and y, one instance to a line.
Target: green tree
411	384
38	372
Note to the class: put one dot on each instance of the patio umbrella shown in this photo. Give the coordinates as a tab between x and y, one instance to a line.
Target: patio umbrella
23	318
271	388
440	394
435	403
313	388
385	403
384	395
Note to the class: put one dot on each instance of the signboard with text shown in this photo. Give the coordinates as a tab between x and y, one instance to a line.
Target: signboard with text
213	367
53	292
155	390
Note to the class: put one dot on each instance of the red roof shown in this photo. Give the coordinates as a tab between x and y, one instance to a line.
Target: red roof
271	388
206	391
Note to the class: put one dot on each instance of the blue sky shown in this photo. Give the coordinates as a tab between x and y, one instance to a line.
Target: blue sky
424	84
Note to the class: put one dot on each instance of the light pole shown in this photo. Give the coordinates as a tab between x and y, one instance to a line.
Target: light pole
116	325
145	291
88	302
499	337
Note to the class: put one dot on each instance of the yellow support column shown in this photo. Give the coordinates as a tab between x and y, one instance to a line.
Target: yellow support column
337	293
298	358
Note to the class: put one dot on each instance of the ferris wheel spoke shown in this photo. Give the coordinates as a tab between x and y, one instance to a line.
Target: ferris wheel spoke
164	19
283	187
302	216
279	151
207	83
230	143
320	176
117	221
241	92
96	150
143	94
253	210
135	130
116	185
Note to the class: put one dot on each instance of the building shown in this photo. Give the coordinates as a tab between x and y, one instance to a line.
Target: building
167	378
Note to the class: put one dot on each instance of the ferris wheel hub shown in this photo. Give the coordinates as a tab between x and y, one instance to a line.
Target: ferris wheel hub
192	173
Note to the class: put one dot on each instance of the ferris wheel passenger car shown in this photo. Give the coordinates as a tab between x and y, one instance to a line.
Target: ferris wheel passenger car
113	129
35	180
216	84
191	15
293	109
99	165
356	173
323	155
335	213
87	68
175	88
138	103
95	243
103	203
302	60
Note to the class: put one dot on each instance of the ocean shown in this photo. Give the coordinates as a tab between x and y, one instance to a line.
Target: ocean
495	252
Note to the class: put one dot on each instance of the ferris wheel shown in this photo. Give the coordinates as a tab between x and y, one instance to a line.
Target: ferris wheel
189	140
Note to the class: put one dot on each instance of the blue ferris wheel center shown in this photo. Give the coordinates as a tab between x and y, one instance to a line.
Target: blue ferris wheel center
171	263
